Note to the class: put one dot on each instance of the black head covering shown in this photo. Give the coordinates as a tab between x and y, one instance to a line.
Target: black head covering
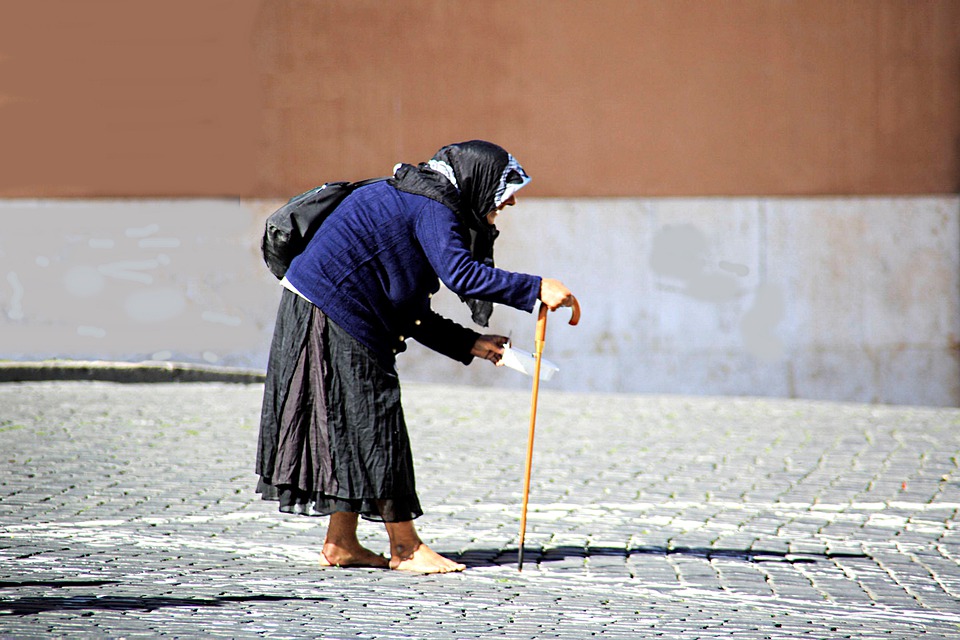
472	179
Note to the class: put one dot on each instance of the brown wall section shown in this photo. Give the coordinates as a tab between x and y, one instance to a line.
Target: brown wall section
616	98
127	98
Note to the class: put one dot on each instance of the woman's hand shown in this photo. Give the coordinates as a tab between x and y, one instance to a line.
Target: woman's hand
555	294
489	348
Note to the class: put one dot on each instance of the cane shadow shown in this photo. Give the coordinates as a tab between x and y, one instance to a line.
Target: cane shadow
546	555
88	604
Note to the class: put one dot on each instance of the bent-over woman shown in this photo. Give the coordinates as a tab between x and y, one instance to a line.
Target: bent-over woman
332	435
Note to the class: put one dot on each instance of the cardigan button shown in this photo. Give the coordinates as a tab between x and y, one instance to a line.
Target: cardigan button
402	338
416	322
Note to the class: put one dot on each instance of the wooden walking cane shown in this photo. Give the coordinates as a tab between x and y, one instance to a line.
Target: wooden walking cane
541	336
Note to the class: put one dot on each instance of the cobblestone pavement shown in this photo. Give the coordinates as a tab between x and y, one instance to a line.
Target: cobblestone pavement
129	511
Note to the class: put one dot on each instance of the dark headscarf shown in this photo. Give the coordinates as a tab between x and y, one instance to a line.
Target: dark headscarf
472	179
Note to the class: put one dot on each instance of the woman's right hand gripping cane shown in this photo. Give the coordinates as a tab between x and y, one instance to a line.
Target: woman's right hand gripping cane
555	294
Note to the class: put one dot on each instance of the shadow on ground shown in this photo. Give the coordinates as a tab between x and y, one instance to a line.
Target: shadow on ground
496	557
33	605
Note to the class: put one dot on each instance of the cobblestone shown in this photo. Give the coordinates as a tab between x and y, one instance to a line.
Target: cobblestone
127	510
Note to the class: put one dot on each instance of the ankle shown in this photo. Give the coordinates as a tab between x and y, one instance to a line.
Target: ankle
405	550
341	544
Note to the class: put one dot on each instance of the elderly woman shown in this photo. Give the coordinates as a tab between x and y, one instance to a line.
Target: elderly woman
332	437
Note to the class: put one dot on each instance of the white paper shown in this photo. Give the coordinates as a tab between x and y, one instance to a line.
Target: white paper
525	362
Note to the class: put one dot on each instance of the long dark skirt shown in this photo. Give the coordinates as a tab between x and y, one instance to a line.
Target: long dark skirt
332	433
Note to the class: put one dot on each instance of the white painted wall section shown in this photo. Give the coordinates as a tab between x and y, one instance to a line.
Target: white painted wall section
834	298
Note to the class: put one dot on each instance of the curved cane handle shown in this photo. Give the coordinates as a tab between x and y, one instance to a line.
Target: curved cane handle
575	315
542	319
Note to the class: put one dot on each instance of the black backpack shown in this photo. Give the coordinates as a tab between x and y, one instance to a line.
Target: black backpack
289	228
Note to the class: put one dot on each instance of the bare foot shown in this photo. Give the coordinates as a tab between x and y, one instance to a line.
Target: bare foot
425	560
337	556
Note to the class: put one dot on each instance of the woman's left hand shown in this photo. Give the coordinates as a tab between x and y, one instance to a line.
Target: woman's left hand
489	348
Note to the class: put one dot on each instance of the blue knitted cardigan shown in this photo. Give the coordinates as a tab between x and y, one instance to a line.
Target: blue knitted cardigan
374	264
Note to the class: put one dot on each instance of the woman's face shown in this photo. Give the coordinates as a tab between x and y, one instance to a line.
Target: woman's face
509	202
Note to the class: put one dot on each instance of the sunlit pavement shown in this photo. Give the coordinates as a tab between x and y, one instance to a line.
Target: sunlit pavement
128	510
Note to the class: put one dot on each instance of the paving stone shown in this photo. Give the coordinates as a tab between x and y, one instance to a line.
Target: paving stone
127	510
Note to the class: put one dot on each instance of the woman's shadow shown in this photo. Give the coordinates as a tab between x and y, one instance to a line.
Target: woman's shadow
546	555
86	604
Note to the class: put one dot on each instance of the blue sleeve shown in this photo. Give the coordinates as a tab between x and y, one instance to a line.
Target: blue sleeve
445	336
438	232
